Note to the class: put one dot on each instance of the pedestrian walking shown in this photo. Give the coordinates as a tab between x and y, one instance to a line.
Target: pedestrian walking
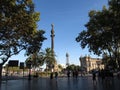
68	74
94	77
103	75
56	75
51	75
73	73
76	73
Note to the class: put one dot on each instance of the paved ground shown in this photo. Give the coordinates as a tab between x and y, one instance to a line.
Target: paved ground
82	83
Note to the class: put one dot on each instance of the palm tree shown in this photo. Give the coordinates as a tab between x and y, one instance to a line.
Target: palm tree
49	58
36	60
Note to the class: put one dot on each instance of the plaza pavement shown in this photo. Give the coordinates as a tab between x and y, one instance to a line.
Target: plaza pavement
62	83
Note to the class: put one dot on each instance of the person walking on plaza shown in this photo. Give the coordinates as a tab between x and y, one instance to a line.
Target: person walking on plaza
73	73
76	73
51	75
68	74
103	74
56	75
94	77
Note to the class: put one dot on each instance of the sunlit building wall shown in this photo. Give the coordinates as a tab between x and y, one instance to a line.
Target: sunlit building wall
88	63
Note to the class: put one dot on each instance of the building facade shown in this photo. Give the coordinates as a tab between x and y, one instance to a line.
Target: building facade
88	64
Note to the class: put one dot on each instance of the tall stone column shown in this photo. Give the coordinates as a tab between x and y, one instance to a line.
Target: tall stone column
52	38
52	47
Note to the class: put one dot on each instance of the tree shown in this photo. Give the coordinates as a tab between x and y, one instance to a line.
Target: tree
36	60
73	67
49	58
60	67
103	32
108	63
18	29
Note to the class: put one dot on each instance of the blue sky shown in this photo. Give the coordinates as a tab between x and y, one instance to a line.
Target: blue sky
69	18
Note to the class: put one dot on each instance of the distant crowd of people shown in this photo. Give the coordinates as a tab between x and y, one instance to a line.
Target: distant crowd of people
104	75
69	73
54	74
75	73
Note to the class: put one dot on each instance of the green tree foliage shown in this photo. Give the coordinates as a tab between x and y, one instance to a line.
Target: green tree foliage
36	59
60	66
103	32
18	28
49	58
39	58
73	67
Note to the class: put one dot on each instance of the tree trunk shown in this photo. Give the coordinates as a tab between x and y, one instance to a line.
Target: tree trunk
0	73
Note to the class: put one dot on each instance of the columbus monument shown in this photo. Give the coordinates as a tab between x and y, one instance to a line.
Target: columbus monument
55	68
52	38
